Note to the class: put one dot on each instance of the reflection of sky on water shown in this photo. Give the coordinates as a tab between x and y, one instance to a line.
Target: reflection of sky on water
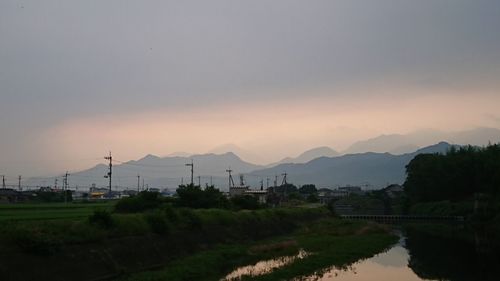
264	267
389	266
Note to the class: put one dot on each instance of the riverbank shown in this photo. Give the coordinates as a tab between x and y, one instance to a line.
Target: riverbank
108	245
325	243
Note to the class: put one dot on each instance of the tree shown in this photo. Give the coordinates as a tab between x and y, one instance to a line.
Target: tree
308	189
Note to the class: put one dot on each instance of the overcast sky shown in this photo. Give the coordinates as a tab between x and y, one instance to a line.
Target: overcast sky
80	78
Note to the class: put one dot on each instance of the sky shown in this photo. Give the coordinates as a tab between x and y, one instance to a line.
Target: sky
81	78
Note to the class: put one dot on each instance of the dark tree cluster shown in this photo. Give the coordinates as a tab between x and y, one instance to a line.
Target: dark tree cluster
458	175
192	196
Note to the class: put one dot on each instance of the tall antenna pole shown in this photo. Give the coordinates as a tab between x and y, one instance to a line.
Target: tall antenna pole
55	183
284	178
138	180
19	185
110	172
199	181
3	181
66	187
192	172
230	177
284	183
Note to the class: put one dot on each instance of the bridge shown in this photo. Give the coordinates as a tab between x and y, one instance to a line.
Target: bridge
401	218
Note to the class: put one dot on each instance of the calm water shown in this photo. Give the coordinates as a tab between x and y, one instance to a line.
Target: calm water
388	266
453	256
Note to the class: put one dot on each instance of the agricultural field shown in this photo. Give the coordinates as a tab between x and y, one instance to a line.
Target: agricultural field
51	211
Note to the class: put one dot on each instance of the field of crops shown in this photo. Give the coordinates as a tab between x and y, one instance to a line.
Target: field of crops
49	211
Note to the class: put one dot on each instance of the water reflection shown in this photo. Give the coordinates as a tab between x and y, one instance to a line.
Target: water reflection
437	252
447	254
456	256
264	267
390	265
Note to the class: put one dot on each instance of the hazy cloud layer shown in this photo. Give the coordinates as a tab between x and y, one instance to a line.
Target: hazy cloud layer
111	63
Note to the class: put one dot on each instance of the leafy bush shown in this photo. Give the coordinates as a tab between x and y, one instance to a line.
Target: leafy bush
101	218
142	202
191	219
157	222
245	202
170	213
193	196
35	239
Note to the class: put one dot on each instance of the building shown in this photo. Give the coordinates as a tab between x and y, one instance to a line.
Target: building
394	190
261	195
8	195
352	190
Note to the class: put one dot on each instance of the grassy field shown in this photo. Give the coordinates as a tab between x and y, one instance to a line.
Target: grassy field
330	242
50	211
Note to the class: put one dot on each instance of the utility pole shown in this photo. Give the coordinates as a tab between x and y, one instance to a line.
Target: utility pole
66	187
142	184
55	183
19	185
199	181
284	183
138	180
110	172
230	177
261	184
284	178
192	171
3	181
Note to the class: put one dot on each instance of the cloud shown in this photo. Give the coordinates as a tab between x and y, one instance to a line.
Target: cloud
106	72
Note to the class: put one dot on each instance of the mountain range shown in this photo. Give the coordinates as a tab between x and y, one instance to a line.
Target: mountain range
369	169
406	143
374	162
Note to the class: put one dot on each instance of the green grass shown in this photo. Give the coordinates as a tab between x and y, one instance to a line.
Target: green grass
331	242
50	211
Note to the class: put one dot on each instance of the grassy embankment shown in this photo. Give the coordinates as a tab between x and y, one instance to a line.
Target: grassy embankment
330	242
51	211
108	245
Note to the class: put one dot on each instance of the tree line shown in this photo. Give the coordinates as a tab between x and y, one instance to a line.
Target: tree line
461	174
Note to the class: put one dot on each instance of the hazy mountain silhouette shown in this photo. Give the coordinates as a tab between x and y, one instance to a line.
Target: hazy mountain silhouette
369	168
164	171
322	151
244	154
400	144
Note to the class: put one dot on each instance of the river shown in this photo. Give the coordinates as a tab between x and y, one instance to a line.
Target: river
454	254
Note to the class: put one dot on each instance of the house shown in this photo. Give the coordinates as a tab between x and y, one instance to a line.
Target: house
394	190
261	195
326	195
352	190
8	195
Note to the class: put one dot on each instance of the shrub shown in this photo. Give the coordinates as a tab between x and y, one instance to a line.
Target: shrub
101	218
35	240
142	202
331	207
157	222
170	213
245	202
192	220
